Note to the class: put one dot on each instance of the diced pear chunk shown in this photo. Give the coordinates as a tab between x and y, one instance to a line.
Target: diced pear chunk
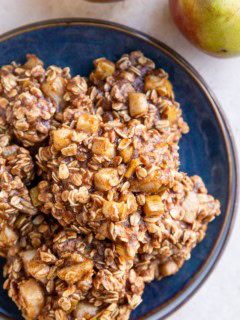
103	147
138	104
115	211
8	237
54	89
104	68
126	154
165	89
31	297
152	82
168	268
151	184
27	256
32	62
153	206
191	206
61	138
85	310
88	123
171	114
75	272
105	179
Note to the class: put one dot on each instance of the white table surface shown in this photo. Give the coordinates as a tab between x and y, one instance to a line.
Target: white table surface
219	297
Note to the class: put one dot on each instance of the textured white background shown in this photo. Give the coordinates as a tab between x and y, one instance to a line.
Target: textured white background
219	298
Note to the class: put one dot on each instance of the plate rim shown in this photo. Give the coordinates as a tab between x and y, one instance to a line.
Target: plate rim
233	186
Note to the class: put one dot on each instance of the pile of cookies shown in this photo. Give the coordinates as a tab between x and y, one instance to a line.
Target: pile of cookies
92	202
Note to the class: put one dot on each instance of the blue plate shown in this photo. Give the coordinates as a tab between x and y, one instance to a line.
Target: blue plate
208	149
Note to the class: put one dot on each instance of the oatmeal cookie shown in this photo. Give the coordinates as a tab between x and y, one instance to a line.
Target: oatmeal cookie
29	99
95	171
134	88
173	233
56	273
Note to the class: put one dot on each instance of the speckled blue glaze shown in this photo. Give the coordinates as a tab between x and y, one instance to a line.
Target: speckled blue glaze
207	150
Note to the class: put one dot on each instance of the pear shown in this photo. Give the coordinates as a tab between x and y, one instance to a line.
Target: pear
211	25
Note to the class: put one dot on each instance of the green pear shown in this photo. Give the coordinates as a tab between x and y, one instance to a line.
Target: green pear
212	25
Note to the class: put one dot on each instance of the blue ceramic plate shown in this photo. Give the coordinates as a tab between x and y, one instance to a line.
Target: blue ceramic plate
207	150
